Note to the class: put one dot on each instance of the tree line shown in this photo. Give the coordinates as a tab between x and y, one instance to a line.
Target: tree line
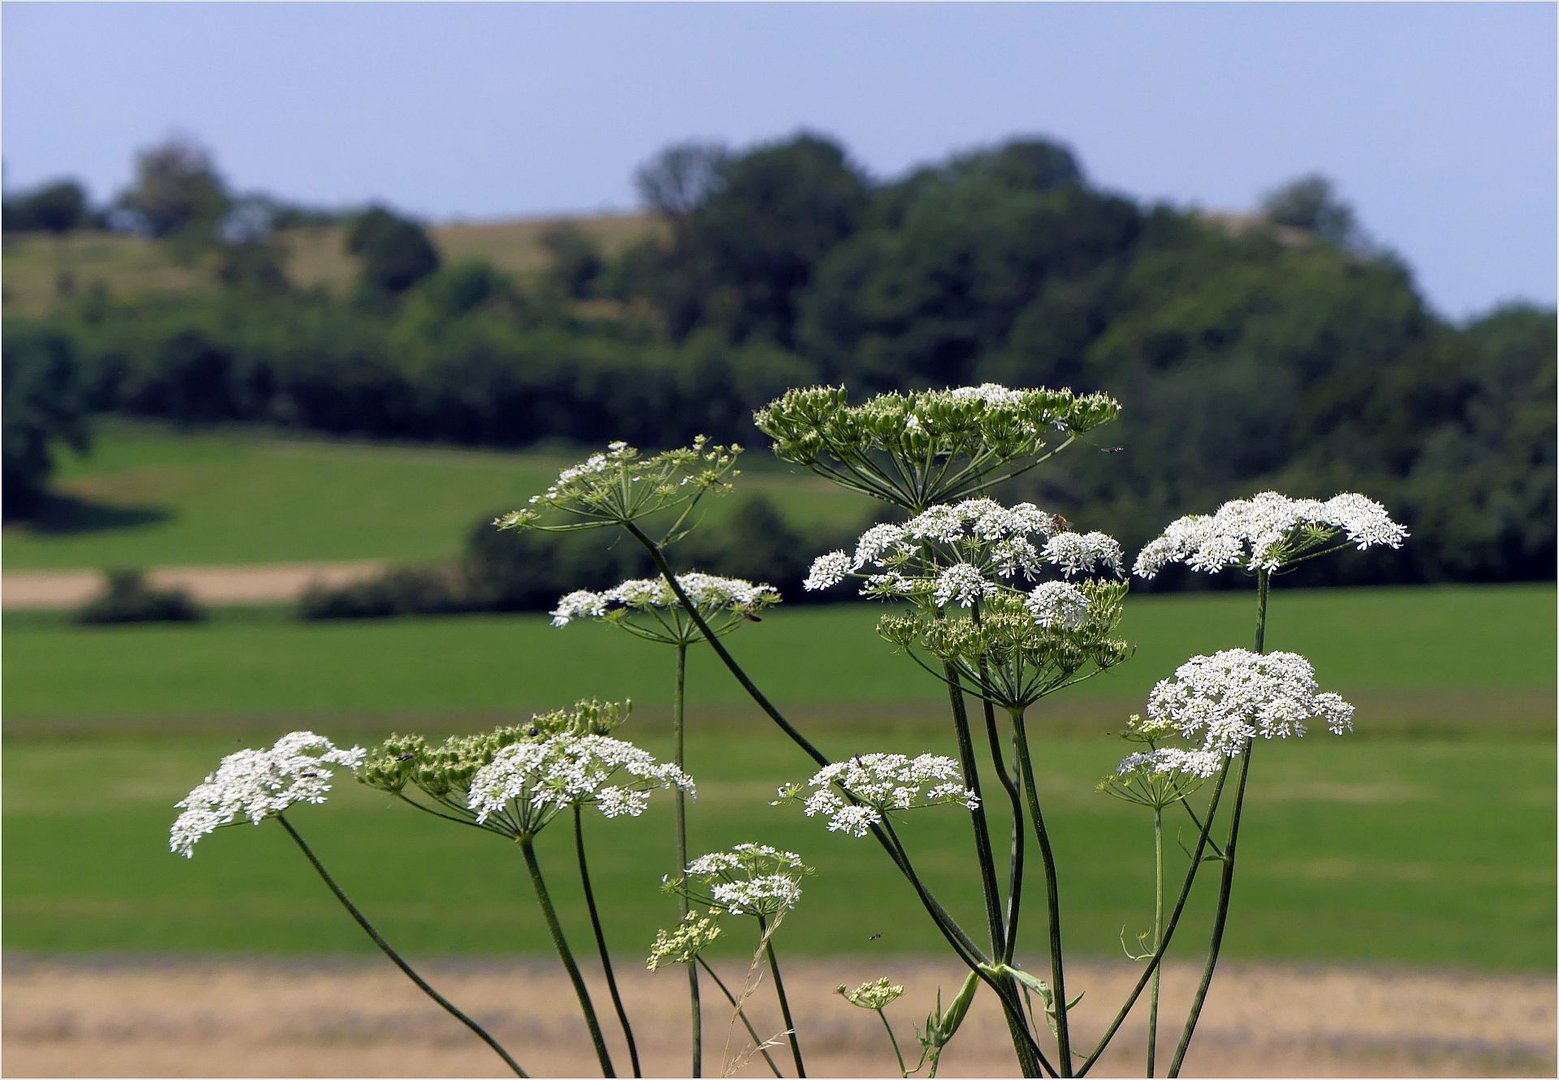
1282	349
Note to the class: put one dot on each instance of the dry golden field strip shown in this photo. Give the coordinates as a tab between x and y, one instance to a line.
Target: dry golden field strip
216	1017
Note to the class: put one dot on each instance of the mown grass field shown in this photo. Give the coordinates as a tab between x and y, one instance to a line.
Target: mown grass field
1426	838
149	496
129	266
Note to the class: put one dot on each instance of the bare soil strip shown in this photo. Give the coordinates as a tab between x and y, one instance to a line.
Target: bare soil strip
236	1017
270	583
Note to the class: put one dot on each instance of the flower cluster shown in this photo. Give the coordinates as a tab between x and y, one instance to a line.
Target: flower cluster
1024	645
444	772
873	785
1229	698
619	486
1269	531
683	944
875	996
749	879
529	783
931	446
648	608
256	784
957	553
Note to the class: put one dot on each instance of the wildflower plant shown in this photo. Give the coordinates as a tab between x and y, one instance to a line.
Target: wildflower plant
930	446
856	794
1001	605
647	607
620	486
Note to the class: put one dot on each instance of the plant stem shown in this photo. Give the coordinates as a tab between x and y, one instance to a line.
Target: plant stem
903	1071
1169	928
1158	929
779	991
1029	1056
561	944
1052	893
741	1014
600	941
1226	881
677	717
395	957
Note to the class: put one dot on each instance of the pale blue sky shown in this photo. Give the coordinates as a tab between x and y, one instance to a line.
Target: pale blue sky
1436	121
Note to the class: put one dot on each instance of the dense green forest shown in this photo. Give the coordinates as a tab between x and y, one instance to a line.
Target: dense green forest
1278	349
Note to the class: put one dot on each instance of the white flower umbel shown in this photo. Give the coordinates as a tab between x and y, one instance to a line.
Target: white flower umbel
649	609
854	795
1058	605
256	784
1270	531
1231	697
928	447
684	944
749	879
619	487
961	552
527	784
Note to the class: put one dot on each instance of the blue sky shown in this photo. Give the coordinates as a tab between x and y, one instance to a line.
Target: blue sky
1436	121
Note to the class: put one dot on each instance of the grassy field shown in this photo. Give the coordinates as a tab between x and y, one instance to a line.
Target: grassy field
1427	838
128	266
148	496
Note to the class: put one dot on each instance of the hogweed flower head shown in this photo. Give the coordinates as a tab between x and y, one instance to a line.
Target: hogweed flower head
749	879
857	793
1268	532
961	552
444	772
1162	776
619	487
257	784
647	607
1231	697
686	942
873	996
930	446
527	784
1022	646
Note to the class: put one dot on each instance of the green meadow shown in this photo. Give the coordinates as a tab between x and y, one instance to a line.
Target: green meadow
1425	838
150	496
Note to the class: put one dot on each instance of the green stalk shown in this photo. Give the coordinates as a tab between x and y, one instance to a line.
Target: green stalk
677	715
1226	882
561	944
1029	1056
741	1014
779	991
1052	893
395	957
1158	928
600	941
903	1070
1169	928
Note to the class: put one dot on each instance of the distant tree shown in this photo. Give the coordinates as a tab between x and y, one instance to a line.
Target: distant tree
44	404
176	190
576	260
395	251
681	178
1311	204
741	258
58	207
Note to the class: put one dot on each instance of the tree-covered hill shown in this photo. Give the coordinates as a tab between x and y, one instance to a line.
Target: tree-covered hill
1280	348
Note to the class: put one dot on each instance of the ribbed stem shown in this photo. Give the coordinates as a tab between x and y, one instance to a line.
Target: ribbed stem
1158	929
741	1014
677	718
779	992
561	944
600	941
1226	882
395	957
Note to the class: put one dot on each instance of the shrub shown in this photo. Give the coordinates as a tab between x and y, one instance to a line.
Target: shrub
127	597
